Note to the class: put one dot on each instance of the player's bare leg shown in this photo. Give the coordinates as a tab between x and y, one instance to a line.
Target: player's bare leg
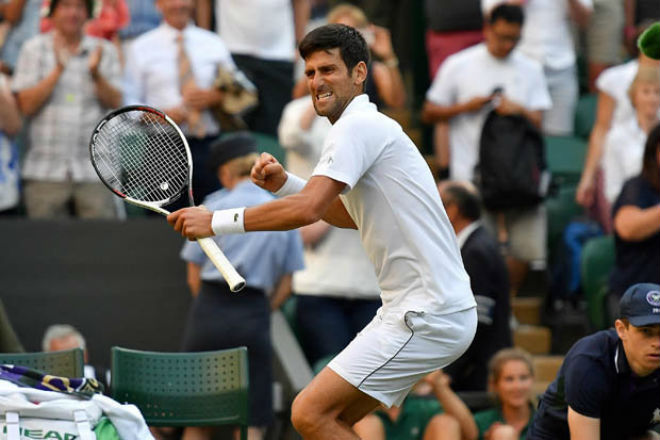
328	408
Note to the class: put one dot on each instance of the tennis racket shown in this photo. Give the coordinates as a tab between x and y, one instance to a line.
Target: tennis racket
142	156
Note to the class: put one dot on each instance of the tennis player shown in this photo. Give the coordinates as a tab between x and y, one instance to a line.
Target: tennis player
370	177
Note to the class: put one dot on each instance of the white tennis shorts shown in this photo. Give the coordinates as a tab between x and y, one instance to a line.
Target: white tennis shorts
395	350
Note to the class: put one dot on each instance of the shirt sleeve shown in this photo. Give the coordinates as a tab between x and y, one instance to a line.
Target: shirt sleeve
132	79
294	254
539	98
192	252
586	386
442	90
110	66
349	150
27	72
606	83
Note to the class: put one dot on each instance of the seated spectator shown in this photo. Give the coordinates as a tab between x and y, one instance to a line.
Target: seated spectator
636	218
608	386
463	94
511	375
384	84
220	319
60	337
490	285
624	145
109	17
420	417
613	108
65	82
325	300
10	125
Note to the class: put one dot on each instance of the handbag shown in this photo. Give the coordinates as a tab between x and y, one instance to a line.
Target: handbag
239	97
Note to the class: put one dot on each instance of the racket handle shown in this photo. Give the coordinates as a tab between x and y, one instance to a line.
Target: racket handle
235	281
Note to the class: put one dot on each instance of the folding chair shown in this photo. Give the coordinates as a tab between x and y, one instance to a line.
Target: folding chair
184	389
66	363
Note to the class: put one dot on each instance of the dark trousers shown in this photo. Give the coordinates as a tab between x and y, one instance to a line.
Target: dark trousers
327	324
274	81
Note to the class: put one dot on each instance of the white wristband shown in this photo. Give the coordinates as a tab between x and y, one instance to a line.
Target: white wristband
292	185
228	221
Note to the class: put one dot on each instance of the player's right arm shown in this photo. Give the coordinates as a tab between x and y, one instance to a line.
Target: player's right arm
583	427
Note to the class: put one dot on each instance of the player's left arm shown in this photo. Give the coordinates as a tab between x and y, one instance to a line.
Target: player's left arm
582	427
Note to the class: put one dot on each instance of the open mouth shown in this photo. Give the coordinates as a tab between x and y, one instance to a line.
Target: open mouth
322	96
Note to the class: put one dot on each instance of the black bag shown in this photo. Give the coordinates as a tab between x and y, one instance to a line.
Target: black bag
512	170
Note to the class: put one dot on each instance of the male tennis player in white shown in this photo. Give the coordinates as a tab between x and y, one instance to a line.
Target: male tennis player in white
370	177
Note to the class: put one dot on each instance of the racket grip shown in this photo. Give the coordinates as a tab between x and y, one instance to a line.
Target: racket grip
233	278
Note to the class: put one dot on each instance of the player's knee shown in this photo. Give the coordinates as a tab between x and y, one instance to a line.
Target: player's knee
504	432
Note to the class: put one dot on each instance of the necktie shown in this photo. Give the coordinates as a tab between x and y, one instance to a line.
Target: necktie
186	80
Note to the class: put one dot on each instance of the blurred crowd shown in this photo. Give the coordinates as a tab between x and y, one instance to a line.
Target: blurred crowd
450	66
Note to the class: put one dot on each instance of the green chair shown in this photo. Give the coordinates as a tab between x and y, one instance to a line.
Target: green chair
585	115
596	265
561	208
269	144
565	155
184	389
66	363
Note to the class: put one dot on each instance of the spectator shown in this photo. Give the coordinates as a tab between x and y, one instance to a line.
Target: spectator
65	82
490	285
144	17
636	214
463	94
262	37
603	38
325	299
510	375
420	417
109	16
220	319
614	107
608	386
546	37
624	145
384	84
154	76
10	125
60	337
23	17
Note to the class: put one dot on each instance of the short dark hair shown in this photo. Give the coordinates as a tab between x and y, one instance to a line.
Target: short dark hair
650	167
467	202
88	3
351	44
507	12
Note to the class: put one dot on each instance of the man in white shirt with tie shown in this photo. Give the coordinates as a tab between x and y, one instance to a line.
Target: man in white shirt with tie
153	77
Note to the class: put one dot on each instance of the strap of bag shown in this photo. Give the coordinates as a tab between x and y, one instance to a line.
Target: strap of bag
82	423
12	420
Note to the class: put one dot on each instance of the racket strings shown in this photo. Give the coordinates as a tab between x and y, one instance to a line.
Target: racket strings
141	155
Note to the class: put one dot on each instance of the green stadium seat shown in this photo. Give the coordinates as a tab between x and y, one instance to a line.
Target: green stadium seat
565	156
561	209
65	363
184	389
596	264
269	144
585	115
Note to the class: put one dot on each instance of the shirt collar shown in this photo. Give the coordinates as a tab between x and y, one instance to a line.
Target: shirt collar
620	360
465	233
87	44
174	32
358	103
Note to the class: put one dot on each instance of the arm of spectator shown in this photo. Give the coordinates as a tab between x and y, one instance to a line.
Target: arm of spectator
583	427
301	12
13	11
386	74
314	233
201	99
194	278
636	224
31	99
10	117
441	146
604	111
203	11
282	292
508	107
109	95
580	12
452	404
432	113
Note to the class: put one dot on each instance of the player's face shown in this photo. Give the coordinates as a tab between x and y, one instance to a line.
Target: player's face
514	385
69	16
642	346
330	83
176	13
501	37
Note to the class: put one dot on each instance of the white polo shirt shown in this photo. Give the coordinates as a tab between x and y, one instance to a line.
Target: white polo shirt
392	198
474	72
615	82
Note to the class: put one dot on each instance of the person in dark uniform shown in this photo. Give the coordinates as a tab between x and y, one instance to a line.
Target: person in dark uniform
220	319
489	280
609	384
